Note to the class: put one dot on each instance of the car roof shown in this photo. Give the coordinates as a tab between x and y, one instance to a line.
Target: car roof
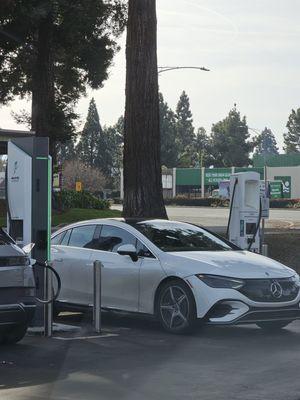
129	221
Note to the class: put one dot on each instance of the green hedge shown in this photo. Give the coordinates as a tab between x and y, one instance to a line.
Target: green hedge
185	201
71	199
213	202
285	203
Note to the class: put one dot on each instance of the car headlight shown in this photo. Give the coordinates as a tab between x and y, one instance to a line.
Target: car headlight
221	281
296	279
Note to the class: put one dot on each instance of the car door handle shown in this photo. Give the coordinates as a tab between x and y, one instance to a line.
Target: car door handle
58	259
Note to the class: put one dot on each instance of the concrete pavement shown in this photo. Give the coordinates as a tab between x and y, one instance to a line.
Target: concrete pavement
144	363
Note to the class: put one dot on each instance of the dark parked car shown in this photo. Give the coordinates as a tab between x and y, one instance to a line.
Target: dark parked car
17	291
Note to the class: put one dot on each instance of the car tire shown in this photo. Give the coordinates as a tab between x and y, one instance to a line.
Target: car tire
273	325
14	334
176	308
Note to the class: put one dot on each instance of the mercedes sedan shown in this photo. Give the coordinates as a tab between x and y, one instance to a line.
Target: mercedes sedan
177	272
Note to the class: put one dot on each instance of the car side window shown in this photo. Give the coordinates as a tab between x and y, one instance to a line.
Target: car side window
83	236
143	251
112	237
57	239
65	239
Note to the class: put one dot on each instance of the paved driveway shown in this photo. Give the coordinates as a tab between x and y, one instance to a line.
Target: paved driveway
144	363
218	217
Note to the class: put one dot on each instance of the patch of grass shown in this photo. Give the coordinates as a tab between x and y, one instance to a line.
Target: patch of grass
81	214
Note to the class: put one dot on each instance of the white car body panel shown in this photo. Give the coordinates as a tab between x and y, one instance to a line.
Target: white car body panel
131	286
120	281
236	264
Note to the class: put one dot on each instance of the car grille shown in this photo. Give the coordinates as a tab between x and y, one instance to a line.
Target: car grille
270	290
270	315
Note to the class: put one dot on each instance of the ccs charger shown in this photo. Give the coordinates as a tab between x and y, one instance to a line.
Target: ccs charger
245	210
28	195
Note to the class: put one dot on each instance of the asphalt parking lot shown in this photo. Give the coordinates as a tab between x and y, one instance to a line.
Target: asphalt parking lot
139	361
217	218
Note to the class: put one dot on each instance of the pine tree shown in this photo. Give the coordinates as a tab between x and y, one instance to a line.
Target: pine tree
185	128
230	145
168	132
198	153
292	137
91	138
52	50
265	143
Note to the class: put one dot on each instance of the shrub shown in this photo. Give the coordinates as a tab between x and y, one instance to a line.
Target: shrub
72	199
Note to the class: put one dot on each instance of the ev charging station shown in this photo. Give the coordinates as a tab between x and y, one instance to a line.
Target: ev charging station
28	197
245	210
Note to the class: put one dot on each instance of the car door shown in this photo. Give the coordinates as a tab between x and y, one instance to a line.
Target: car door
72	258
151	274
120	275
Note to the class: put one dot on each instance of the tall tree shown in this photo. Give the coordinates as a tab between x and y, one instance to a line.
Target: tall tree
230	141
52	50
184	117
292	137
142	164
114	151
265	143
196	154
92	145
168	135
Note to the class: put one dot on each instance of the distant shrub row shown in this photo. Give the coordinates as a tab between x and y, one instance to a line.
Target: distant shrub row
72	199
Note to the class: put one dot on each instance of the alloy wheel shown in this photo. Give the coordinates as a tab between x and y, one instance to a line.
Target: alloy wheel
174	307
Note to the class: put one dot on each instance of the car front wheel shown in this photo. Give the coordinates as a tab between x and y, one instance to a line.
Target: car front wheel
176	307
273	325
13	335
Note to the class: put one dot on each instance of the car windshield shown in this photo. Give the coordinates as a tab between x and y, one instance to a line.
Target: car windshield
173	236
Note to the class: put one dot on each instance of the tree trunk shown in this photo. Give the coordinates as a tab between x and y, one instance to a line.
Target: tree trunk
142	167
43	100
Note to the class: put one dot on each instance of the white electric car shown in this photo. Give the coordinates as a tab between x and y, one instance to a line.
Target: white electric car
178	272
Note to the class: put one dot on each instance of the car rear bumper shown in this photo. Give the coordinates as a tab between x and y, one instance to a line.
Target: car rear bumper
232	312
15	314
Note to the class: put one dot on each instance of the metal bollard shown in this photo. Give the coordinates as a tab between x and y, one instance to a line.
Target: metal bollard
97	296
264	250
48	288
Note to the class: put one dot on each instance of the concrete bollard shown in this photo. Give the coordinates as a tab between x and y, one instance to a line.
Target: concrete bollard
264	250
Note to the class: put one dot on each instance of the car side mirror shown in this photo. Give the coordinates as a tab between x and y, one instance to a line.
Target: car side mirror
128	250
27	249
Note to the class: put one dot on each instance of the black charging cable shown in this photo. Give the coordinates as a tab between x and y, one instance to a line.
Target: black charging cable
55	273
231	207
257	226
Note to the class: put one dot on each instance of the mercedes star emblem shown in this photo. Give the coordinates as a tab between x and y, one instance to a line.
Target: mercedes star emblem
276	290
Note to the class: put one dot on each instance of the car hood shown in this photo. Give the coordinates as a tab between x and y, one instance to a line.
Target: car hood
238	264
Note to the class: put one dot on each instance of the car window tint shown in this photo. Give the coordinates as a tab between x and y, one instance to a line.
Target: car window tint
143	251
112	238
65	239
177	236
82	236
57	239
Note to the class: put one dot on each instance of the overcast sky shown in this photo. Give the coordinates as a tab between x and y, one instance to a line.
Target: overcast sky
251	47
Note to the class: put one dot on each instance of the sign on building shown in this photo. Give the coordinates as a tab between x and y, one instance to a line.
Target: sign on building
286	185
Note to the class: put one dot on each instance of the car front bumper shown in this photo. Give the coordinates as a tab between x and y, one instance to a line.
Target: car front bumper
229	307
